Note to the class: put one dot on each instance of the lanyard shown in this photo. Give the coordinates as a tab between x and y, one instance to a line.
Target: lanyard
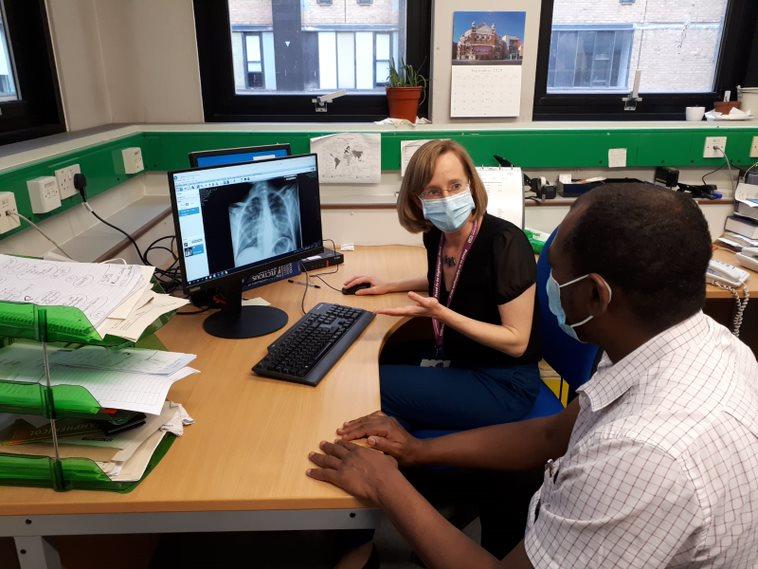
439	327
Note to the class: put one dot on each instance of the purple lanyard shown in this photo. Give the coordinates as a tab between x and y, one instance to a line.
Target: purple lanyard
439	327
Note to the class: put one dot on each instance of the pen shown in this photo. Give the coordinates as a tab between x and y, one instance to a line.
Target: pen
304	284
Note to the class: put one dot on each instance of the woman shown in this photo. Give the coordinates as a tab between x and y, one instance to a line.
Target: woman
480	276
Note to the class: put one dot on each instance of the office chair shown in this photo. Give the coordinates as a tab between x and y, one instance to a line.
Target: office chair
573	361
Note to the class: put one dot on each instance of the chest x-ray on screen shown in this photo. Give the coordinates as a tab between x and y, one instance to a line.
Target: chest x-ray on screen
266	223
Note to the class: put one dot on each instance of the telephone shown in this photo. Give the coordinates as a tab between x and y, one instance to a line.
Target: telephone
725	274
748	257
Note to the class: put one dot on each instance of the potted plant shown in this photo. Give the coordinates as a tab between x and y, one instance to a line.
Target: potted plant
405	92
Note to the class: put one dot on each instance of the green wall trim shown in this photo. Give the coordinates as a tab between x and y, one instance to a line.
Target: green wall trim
101	164
530	149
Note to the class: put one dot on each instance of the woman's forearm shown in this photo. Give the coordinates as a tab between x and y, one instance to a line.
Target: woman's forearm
417	284
506	339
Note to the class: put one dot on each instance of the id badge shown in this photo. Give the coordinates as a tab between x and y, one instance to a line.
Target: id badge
434	363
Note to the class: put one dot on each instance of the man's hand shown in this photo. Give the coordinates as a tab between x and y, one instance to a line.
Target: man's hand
385	434
426	306
359	471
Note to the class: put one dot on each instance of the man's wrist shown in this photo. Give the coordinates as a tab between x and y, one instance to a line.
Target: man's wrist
418	453
388	488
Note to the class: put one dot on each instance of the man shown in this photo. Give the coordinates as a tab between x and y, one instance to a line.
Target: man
655	463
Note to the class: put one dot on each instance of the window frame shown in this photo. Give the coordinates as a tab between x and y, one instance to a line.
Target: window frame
221	103
248	61
731	70
39	110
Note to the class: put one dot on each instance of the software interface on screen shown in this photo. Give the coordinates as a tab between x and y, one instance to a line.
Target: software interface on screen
235	218
221	159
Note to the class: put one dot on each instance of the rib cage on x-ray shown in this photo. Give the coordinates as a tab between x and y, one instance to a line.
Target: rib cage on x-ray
266	223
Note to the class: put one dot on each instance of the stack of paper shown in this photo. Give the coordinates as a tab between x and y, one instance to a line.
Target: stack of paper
132	380
123	457
116	299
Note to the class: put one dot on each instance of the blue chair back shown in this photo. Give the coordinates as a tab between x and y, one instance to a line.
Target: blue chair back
573	361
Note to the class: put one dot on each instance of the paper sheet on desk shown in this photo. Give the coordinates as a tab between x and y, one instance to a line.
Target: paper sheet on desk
133	360
348	158
93	288
132	302
145	393
152	306
505	193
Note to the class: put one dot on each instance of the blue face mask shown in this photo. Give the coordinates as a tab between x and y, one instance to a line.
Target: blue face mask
553	290
449	214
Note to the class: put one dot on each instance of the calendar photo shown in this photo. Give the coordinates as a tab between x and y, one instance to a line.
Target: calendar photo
488	38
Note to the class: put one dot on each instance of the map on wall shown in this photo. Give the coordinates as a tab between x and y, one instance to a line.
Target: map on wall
348	158
487	52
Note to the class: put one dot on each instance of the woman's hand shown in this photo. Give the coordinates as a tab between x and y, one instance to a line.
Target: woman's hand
426	306
377	286
385	434
359	471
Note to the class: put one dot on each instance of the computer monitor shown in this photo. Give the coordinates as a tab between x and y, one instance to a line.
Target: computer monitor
233	221
228	156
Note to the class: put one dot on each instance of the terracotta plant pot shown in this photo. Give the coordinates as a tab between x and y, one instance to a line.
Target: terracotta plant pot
724	107
403	102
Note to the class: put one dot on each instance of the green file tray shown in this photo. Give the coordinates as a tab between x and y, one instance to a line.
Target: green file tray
69	473
64	324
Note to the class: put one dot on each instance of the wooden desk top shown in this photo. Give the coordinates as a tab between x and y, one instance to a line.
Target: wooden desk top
248	447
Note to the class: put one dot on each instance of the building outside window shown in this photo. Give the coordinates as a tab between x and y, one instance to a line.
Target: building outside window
597	45
315	46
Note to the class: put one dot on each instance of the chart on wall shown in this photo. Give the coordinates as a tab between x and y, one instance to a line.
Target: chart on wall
348	158
487	53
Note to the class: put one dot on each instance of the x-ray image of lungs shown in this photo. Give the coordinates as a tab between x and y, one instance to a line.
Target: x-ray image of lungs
266	223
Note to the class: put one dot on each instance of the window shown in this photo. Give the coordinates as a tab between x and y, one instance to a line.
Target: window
7	74
587	60
686	54
280	55
30	103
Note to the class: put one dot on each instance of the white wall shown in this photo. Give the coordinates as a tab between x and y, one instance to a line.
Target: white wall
126	61
81	71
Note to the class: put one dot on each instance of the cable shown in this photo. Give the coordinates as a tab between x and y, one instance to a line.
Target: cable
740	305
307	286
124	233
729	164
39	229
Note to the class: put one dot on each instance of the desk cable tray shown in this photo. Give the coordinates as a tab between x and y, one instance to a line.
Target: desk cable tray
62	326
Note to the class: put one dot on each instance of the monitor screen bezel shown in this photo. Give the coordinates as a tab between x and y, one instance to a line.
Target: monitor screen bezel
250	269
193	156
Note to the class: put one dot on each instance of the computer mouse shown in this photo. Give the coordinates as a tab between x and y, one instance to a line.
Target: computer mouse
355	288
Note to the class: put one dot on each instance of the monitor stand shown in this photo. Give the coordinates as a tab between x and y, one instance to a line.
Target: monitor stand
235	321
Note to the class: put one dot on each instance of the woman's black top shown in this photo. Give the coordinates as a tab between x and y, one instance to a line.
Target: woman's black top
499	267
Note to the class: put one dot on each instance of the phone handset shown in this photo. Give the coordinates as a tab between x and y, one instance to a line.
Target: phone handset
725	274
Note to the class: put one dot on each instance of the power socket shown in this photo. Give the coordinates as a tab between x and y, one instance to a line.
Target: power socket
712	143
65	178
43	194
754	148
8	203
132	158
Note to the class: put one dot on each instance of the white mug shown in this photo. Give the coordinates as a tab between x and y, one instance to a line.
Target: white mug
694	113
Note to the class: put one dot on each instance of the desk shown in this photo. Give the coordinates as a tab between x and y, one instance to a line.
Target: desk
242	465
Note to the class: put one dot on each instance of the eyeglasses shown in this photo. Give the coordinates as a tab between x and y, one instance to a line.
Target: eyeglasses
438	193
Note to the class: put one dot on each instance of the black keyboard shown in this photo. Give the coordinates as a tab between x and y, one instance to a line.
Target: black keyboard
309	349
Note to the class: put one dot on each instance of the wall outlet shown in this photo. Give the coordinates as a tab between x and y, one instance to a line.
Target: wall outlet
132	157
43	193
712	143
754	148
8	203
65	179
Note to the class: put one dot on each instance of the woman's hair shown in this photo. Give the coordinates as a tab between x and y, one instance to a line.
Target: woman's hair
420	170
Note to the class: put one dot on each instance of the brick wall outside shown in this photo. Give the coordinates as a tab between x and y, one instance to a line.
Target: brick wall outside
251	12
679	58
349	12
